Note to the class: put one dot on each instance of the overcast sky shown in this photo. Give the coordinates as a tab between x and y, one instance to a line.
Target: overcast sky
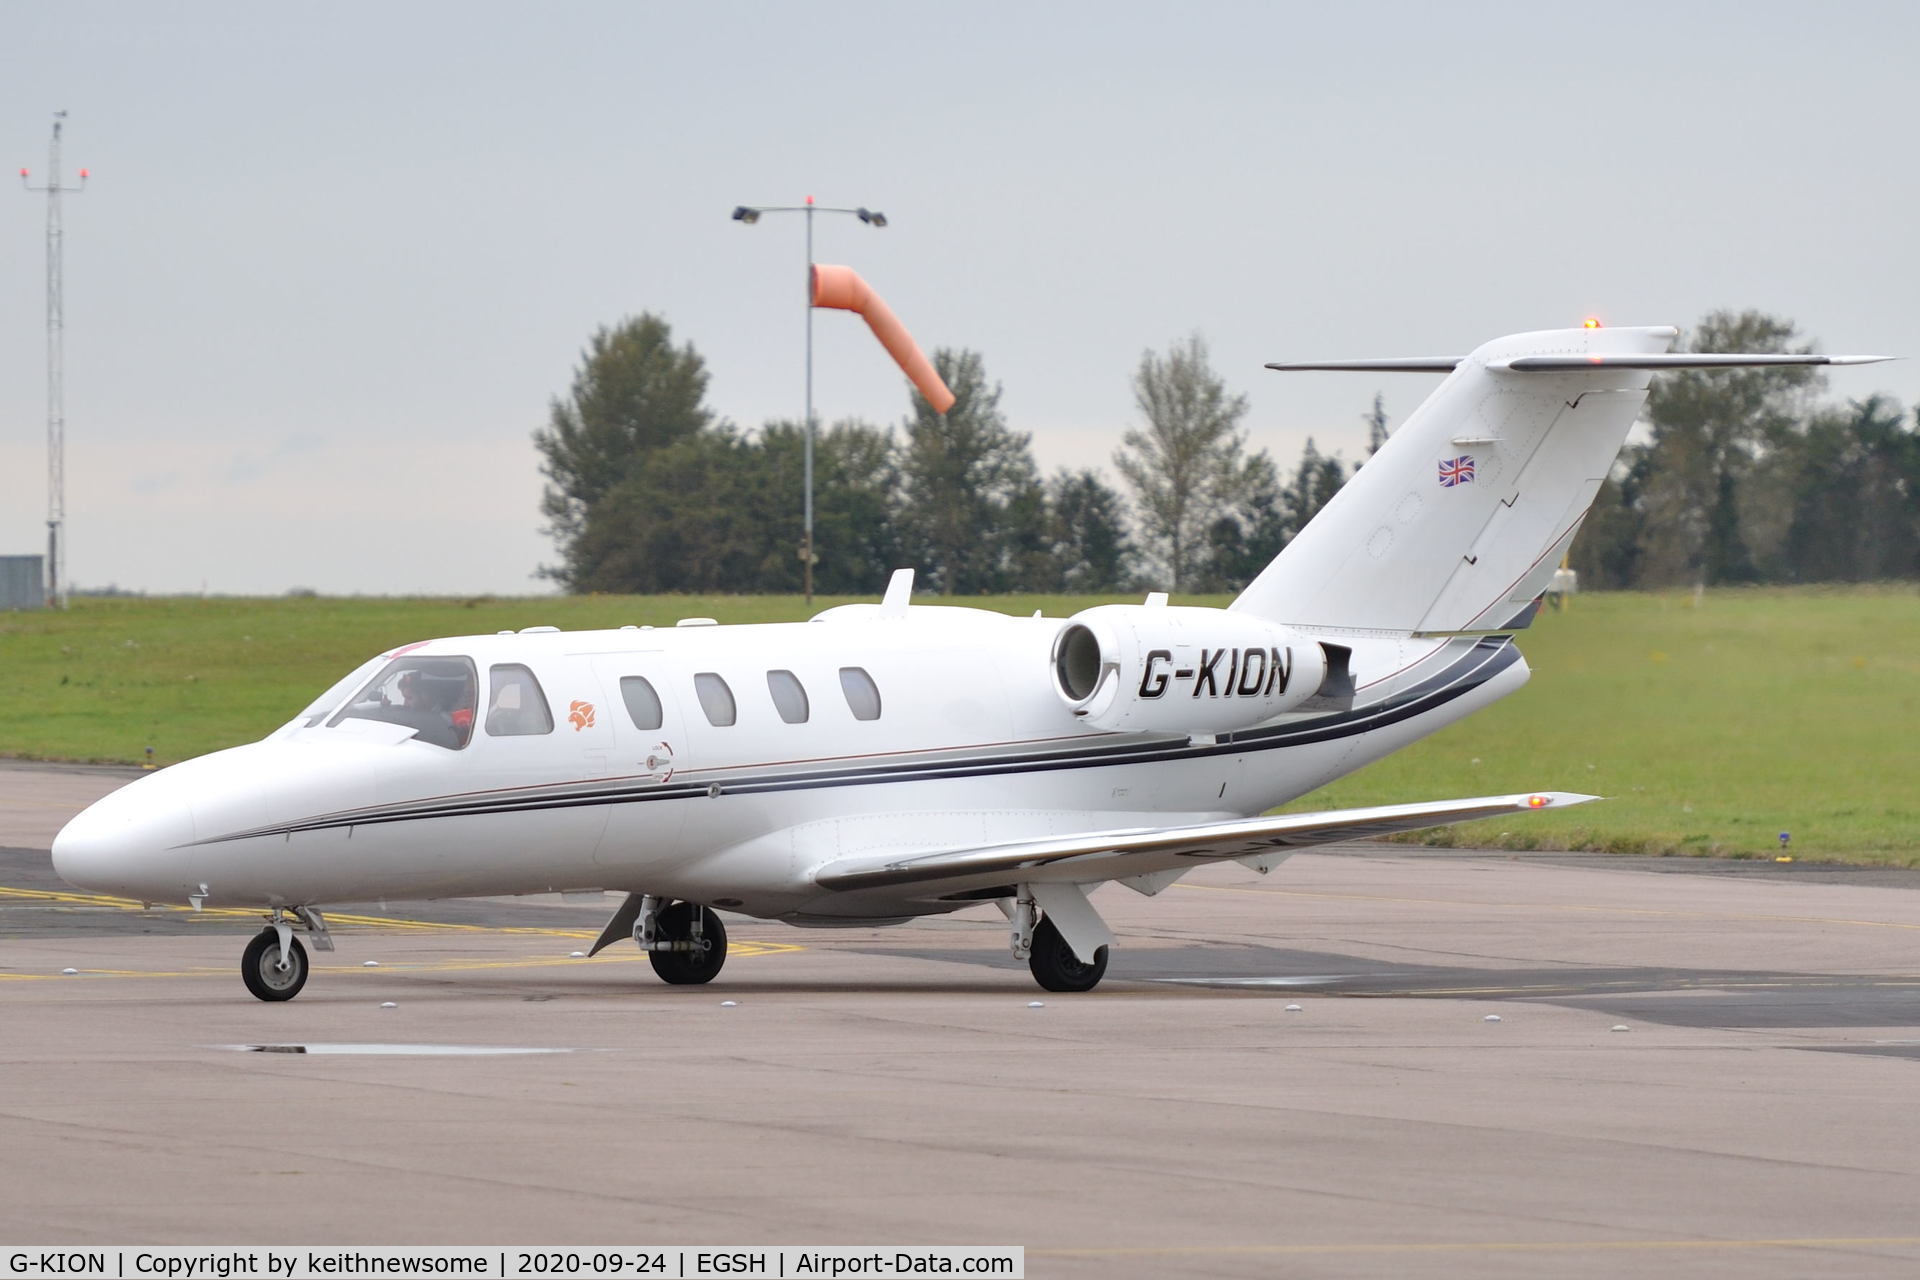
335	259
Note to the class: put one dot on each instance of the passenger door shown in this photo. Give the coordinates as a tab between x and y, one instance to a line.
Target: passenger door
647	810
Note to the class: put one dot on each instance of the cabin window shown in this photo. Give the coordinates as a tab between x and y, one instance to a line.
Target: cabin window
643	704
518	707
432	696
716	699
863	696
789	696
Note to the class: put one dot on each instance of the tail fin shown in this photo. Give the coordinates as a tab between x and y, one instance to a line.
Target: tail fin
1458	522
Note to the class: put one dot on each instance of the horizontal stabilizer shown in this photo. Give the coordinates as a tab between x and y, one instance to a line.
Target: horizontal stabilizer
1108	855
1562	364
1671	360
1402	364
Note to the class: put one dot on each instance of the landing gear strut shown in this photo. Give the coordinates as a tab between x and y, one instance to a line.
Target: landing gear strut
686	943
1037	939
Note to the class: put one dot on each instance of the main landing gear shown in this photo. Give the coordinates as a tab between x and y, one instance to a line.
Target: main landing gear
685	941
274	965
1037	939
687	944
1057	968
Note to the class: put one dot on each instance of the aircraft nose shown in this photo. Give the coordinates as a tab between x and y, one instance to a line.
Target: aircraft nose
126	843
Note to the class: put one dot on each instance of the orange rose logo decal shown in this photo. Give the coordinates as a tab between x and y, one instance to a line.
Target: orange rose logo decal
580	714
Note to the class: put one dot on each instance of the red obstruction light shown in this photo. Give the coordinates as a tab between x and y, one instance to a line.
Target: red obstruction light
83	175
1591	322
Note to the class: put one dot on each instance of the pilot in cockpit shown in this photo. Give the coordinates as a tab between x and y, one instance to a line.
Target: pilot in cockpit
439	703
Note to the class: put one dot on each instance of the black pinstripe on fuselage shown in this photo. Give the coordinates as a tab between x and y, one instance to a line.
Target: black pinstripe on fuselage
1482	661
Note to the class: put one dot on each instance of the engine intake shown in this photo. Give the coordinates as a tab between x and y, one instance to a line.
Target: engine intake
1077	665
1182	669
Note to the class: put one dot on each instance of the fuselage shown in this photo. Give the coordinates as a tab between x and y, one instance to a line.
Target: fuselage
718	764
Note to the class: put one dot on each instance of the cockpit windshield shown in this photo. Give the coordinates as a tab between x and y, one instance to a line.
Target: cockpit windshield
322	706
433	696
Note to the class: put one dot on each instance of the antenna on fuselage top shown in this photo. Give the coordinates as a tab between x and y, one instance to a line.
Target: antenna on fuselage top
899	594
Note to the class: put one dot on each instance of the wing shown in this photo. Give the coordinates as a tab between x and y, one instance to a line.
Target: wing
1110	855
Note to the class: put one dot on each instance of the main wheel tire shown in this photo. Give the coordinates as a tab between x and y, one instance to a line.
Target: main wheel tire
690	968
266	975
1056	968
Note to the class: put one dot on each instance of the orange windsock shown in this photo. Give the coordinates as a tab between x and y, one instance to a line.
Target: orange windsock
842	289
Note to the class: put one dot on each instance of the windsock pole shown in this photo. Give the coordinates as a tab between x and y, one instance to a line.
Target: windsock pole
748	215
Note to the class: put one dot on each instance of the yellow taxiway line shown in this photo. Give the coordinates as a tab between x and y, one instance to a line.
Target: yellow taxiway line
736	949
252	913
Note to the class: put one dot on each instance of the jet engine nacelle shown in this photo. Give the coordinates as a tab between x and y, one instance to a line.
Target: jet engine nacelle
1182	670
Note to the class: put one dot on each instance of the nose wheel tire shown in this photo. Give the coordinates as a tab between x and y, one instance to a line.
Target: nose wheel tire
267	975
1056	968
701	964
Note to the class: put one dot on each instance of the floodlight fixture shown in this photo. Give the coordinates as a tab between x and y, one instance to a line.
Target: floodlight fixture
750	214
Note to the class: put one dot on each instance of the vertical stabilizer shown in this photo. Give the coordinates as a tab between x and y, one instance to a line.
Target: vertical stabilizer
1458	522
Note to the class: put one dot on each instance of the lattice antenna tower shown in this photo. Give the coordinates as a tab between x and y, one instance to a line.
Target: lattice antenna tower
55	187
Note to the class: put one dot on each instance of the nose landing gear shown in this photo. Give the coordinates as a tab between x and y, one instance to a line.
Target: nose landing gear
274	965
270	971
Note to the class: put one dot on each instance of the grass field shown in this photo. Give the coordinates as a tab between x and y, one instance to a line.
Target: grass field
1712	724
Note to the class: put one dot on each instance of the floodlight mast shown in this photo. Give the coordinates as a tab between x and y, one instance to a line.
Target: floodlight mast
747	215
56	372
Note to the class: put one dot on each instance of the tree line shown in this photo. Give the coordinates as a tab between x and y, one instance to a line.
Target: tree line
1749	476
648	490
1742	476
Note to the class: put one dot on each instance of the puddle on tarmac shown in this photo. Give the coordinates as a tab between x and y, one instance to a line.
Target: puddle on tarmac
400	1050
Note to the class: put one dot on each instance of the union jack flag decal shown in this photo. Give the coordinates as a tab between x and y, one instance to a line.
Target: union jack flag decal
1455	471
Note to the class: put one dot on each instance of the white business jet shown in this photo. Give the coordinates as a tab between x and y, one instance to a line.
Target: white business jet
885	762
